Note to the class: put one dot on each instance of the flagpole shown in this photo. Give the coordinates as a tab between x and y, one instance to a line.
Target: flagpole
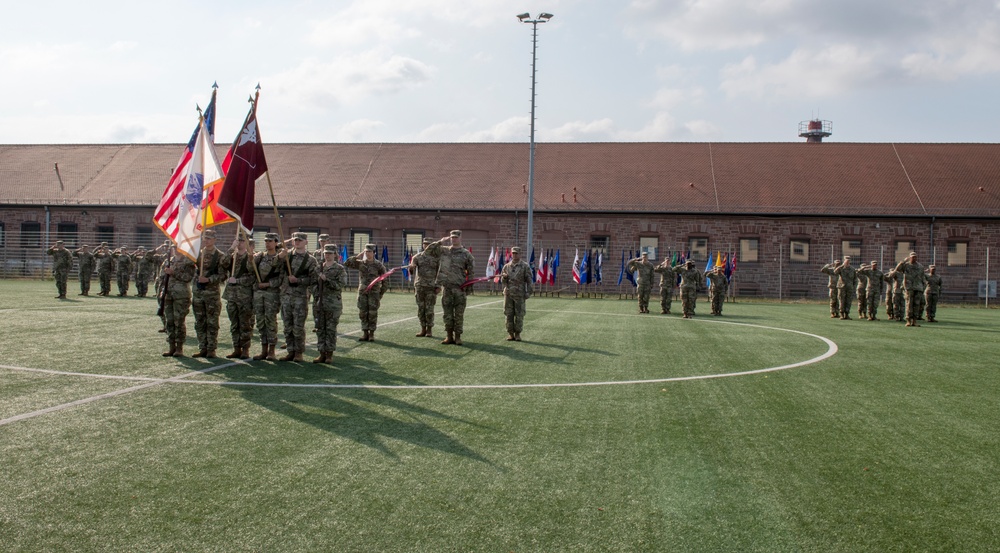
252	260
270	188
204	219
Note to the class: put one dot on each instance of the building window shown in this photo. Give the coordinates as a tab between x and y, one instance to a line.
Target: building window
798	251
649	244
851	248
360	238
413	242
144	237
958	254
698	248
106	233
600	243
903	249
749	250
3	235
31	234
67	232
258	236
312	237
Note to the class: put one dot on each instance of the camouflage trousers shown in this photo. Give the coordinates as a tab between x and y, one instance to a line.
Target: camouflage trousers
513	309
453	301
642	294
689	297
834	302
62	276
846	299
142	285
368	304
873	302
899	305
207	306
123	279
931	300
666	298
175	312
85	281
240	312
862	302
326	316
294	311
914	304
717	301
104	277
426	303
266	305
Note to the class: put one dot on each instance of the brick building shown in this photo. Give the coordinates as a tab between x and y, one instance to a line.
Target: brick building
783	208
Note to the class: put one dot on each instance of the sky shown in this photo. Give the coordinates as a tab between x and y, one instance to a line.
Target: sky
460	70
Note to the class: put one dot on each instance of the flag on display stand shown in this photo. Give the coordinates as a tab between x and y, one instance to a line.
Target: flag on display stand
576	267
406	266
247	168
543	268
343	253
385	255
531	264
621	272
629	274
491	269
708	267
598	268
585	268
553	261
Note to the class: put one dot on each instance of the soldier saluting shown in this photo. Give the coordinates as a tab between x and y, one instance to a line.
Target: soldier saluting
456	266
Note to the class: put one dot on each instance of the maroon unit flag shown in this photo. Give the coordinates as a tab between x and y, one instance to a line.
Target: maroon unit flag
247	167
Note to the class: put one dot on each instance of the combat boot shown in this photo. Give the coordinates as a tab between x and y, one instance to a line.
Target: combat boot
271	356
517	337
429	335
423	332
458	338
371	336
450	339
235	354
244	352
510	337
263	353
322	358
179	352
210	354
290	356
298	357
171	351
201	353
364	336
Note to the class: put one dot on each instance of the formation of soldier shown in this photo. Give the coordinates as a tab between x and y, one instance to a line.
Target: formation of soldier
909	290
684	276
119	263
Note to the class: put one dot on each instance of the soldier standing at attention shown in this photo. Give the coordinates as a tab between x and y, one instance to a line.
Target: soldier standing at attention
914	281
425	268
456	265
690	277
829	269
516	279
123	269
62	262
932	293
320	253
876	283
160	261
87	263
668	280
294	294
846	285
145	270
643	270
327	303
239	297
178	272
862	292
267	297
105	266
369	268
717	288
206	301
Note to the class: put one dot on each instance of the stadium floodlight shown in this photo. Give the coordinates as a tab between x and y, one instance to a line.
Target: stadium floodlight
526	18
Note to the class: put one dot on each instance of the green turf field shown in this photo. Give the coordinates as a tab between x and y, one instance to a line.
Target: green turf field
887	442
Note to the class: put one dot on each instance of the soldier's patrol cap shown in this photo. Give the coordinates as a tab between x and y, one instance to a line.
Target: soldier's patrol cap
847	257
911	254
209	233
85	246
330	248
240	238
299	236
455	233
370	247
271	236
645	254
930	266
515	249
428	240
251	240
874	262
59	241
689	262
324	236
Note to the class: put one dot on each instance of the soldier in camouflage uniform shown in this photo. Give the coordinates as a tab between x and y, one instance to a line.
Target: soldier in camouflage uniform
914	282
327	303
123	269
206	299
87	263
690	278
516	279
62	262
294	294
145	270
894	297
717	288
239	297
369	268
267	297
424	268
643	270
862	292
455	266
178	272
668	281
932	293
846	285
876	284
105	267
828	270
160	256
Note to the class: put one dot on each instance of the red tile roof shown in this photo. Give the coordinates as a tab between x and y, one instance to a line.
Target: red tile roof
738	178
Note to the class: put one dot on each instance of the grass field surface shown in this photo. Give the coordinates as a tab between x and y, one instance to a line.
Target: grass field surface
887	441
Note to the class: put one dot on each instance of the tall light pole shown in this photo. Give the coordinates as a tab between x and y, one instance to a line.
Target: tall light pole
526	18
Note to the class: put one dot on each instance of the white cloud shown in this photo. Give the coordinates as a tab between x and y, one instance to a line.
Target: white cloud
358	131
827	72
664	126
599	130
514	129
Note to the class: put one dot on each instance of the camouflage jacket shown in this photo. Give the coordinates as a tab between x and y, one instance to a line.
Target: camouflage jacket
62	259
643	271
934	283
848	277
210	265
914	277
516	278
367	272
86	260
425	269
304	268
246	280
455	264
